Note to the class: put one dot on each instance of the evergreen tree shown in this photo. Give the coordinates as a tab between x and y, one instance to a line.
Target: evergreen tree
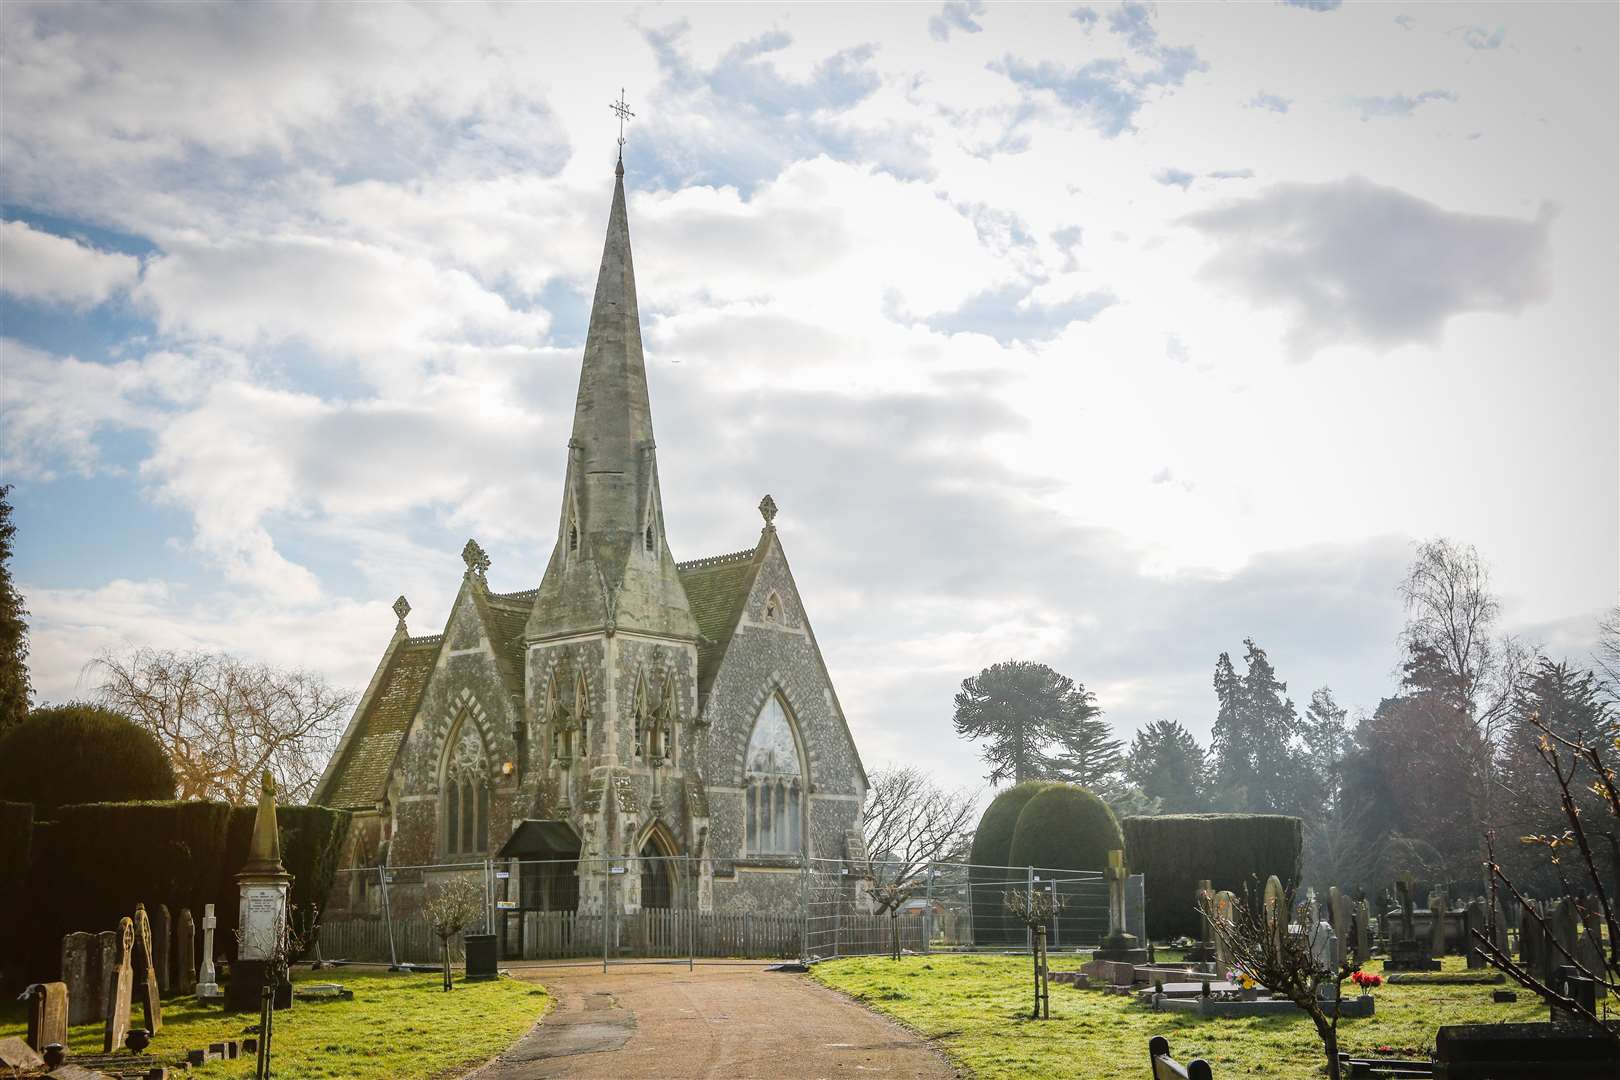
1019	707
1327	738
1167	764
1258	766
1088	753
1233	764
15	690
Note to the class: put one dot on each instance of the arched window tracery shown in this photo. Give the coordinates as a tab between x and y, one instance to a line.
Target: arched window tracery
774	782
465	794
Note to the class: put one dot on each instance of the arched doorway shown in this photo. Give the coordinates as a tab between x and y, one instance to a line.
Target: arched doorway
657	876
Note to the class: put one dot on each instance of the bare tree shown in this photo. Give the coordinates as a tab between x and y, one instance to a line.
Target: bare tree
1579	767
224	720
1279	958
1606	653
452	906
1035	909
908	823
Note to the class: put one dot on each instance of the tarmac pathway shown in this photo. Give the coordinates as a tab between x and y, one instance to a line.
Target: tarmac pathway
734	1021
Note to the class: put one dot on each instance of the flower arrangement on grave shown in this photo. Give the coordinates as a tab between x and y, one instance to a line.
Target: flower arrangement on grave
1366	980
1242	978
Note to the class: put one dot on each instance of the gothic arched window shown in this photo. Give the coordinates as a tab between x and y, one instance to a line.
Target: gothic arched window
774	782
466	792
657	888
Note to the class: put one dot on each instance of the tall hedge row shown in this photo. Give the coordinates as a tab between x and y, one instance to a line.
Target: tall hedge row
987	877
16	841
1065	827
81	753
1176	851
103	858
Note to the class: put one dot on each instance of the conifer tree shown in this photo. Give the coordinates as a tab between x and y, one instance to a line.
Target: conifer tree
16	692
1167	764
1019	708
1088	753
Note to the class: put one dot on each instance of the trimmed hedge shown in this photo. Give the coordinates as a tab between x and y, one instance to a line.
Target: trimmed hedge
1234	851
992	842
1065	827
82	753
16	841
106	857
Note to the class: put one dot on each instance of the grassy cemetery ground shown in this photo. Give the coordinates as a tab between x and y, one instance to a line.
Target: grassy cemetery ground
398	1027
977	1009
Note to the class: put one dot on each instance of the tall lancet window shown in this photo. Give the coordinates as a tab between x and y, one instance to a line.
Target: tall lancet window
775	785
465	794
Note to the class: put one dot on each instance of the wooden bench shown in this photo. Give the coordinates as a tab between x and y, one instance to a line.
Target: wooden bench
1166	1067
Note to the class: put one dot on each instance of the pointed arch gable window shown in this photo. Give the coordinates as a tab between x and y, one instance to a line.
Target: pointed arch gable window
773	803
465	793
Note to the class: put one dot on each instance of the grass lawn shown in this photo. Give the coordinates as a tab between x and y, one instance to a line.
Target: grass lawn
398	1027
977	1009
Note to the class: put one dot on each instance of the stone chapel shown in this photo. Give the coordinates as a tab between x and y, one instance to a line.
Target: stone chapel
629	707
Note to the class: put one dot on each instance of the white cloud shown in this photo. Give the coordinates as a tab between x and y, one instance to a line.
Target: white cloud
38	265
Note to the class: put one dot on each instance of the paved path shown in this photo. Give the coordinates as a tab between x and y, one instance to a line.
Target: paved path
715	1021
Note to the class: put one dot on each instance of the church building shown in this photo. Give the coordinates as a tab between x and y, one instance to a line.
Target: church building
628	708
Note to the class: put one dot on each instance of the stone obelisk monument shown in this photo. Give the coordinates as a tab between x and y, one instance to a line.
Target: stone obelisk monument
263	885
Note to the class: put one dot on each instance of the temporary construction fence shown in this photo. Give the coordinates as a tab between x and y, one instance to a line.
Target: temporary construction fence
646	909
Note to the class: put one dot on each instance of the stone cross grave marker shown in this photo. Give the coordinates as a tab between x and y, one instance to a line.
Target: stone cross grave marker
145	975
79	952
162	936
120	986
47	1014
185	953
207	987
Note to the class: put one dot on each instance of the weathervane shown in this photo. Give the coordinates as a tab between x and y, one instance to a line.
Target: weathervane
622	111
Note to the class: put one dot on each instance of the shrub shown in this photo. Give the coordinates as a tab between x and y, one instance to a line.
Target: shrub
110	856
1175	851
992	842
1065	827
81	753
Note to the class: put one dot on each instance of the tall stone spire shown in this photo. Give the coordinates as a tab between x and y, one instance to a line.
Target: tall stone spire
611	568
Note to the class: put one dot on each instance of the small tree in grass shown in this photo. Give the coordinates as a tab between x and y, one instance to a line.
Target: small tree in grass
452	906
1034	908
1265	949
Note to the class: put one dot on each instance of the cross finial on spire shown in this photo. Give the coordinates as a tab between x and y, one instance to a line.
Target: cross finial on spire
622	111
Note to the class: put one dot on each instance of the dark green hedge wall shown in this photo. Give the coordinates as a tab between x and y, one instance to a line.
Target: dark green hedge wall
1065	827
16	841
1176	851
106	857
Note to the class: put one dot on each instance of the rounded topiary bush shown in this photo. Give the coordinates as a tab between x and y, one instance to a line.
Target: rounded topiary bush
988	876
1065	827
66	754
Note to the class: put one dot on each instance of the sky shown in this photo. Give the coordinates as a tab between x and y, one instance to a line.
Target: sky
1102	336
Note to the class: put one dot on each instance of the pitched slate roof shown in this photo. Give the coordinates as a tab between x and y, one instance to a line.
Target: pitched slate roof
362	776
505	616
716	589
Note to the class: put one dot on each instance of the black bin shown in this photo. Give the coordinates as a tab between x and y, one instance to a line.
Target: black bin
480	956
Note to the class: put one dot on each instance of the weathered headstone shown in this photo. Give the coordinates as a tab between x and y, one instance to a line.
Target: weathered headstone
1473	921
1276	911
1339	907
17	1054
207	987
145	975
1222	908
185	953
1324	947
162	925
121	985
1499	929
1566	929
104	965
1202	899
47	1014
79	955
1437	923
1589	949
1363	932
1406	951
263	884
1532	941
1403	886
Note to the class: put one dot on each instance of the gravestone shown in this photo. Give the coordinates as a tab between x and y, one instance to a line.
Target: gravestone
207	987
1339	906
1566	929
121	983
104	965
1473	921
1437	923
263	885
1589	950
1499	928
79	958
1204	951
162	925
1532	941
1222	907
47	1014
1406	951
1363	932
1276	917
185	953
1324	947
145	975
